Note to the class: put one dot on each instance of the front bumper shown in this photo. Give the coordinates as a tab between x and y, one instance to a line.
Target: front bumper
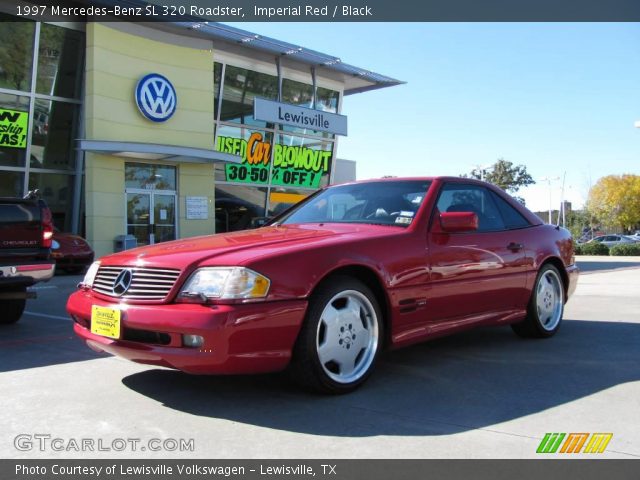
246	338
573	273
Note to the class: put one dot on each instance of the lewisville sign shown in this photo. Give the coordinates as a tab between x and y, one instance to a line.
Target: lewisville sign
301	117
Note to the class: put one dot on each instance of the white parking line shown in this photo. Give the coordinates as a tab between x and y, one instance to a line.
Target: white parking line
44	315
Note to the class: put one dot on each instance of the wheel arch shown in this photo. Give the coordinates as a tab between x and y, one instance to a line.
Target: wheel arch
372	280
557	262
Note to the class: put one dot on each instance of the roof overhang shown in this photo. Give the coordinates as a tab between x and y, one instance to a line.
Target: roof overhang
355	79
154	151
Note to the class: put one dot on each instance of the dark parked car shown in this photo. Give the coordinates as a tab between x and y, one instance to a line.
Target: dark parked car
25	240
324	287
71	252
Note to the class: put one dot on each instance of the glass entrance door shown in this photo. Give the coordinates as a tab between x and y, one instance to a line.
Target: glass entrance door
139	217
151	216
164	217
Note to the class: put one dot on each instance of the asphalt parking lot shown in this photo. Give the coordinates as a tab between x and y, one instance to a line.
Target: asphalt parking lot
480	394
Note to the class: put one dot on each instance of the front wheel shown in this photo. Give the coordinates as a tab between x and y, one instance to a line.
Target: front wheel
546	306
340	338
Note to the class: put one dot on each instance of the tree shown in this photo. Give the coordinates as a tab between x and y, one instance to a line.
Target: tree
505	175
578	222
615	200
15	54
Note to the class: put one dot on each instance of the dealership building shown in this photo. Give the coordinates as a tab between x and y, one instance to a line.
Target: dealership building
167	130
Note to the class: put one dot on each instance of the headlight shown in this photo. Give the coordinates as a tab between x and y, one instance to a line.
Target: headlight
225	283
90	276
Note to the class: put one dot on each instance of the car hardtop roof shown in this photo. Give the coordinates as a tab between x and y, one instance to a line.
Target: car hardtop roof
528	214
443	178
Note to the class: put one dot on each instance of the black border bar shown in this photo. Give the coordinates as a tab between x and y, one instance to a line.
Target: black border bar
538	469
333	10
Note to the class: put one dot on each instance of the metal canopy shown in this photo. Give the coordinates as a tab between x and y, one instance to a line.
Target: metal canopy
227	33
154	151
356	79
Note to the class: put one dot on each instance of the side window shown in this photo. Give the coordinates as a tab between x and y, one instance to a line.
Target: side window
458	197
512	218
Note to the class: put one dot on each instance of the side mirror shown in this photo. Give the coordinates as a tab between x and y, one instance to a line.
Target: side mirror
456	222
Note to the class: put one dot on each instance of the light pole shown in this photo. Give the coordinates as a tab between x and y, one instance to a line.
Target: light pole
549	180
482	168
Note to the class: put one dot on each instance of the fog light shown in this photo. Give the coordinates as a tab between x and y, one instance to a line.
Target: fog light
193	341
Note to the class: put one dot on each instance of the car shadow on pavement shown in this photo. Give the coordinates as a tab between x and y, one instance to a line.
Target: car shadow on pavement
467	381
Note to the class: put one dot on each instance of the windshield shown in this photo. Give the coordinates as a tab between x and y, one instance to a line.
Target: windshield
379	203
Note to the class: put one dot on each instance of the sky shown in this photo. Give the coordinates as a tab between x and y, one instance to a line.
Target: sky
559	98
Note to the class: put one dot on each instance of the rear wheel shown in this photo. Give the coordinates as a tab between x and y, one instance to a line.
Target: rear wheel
11	310
340	338
546	306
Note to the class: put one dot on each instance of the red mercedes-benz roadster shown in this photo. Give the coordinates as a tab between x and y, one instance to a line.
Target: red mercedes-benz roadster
324	287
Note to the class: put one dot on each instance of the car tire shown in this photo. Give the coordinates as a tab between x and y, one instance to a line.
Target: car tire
11	310
340	339
546	306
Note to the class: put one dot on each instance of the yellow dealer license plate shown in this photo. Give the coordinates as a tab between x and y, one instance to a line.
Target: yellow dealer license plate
105	321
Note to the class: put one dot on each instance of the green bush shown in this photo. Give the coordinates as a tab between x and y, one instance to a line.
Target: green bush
625	250
593	248
577	249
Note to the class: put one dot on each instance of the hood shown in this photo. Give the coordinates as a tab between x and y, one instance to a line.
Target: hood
237	247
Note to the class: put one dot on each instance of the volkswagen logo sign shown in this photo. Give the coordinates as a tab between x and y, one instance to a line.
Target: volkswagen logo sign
122	282
156	98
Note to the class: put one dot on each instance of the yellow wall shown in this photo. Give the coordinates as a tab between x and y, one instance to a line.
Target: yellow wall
104	207
197	180
115	62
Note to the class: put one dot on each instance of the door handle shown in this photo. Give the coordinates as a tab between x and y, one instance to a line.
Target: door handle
515	246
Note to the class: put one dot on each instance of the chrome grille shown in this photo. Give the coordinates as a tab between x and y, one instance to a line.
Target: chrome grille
146	283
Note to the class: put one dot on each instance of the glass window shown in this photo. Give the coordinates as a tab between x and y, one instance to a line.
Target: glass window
14	123
253	146
297	93
11	184
457	197
16	53
149	176
301	162
60	61
327	100
57	190
511	217
238	206
241	86
54	132
380	203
